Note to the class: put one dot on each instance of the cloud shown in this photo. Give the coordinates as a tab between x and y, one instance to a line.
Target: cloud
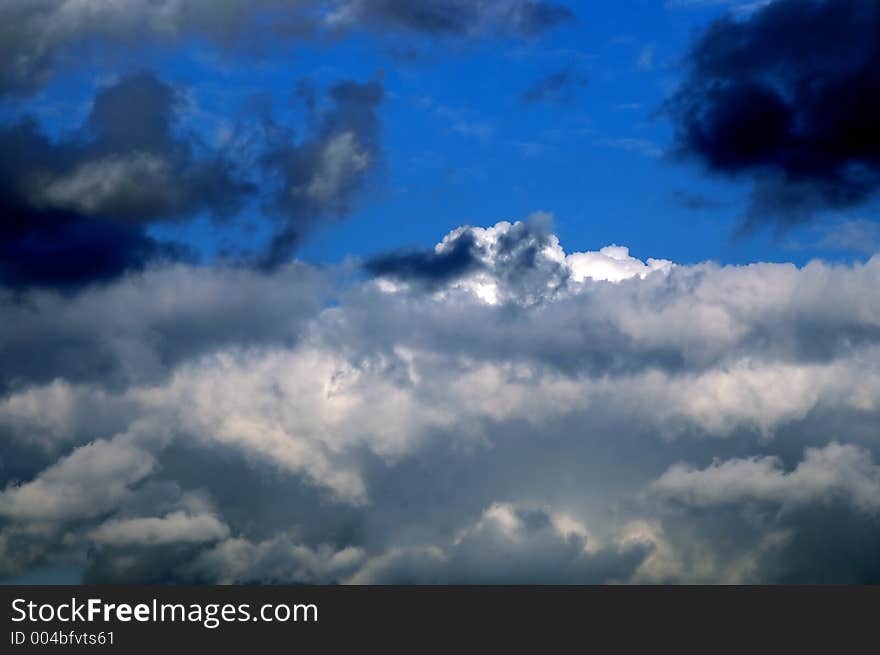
432	267
138	329
510	544
856	235
277	560
320	176
523	420
89	482
521	262
177	527
38	34
76	209
786	96
454	17
559	87
835	471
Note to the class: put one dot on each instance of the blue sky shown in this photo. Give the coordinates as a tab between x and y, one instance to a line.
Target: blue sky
460	146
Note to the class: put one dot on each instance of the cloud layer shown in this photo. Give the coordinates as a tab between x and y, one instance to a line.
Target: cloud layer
493	410
37	33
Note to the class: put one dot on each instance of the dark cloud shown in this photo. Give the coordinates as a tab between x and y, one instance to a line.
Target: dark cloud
787	96
75	209
140	327
429	267
320	176
560	86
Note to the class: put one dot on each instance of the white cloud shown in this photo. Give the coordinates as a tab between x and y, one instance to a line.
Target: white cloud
835	472
91	481
176	527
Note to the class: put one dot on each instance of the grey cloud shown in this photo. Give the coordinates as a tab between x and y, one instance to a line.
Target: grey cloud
89	482
320	176
509	544
177	527
35	34
431	267
137	329
835	472
508	424
131	166
75	209
277	560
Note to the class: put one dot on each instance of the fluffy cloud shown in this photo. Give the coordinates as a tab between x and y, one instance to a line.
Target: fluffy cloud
825	474
510	544
150	531
92	480
494	409
77	209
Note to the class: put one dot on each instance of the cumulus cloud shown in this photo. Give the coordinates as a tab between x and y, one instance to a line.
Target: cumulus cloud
277	560
78	209
825	474
521	262
89	482
787	96
177	527
75	209
510	544
520	418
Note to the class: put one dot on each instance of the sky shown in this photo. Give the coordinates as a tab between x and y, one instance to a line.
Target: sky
377	291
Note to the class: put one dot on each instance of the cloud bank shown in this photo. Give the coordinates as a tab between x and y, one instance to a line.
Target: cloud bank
495	409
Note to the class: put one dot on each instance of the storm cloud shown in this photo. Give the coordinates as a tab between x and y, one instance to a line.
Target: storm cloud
75	209
787	97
